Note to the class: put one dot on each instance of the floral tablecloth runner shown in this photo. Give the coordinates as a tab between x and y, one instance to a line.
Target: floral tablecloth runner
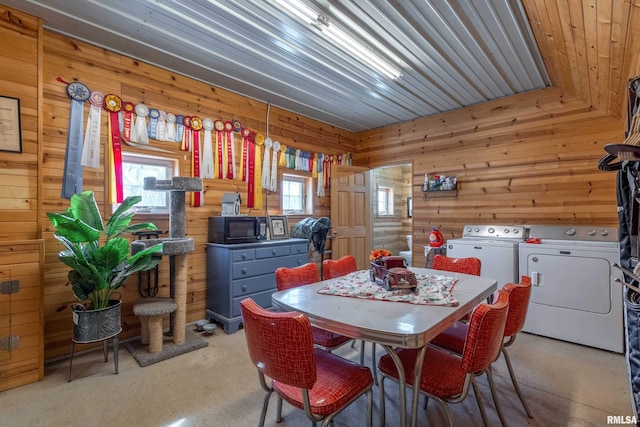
431	289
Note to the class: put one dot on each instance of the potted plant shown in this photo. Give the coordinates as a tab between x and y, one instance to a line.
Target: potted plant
99	259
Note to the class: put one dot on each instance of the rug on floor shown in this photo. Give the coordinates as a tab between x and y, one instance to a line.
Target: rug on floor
140	352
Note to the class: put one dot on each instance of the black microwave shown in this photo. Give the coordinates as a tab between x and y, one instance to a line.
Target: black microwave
237	229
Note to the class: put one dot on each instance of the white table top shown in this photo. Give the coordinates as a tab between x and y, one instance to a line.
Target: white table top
396	324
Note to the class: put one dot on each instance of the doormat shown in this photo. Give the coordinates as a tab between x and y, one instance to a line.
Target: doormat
140	352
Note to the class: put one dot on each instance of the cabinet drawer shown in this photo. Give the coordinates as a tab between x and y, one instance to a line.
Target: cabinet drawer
246	287
263	299
259	267
271	252
242	255
299	249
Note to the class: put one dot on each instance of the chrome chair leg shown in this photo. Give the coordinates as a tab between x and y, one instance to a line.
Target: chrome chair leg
382	403
279	410
373	363
494	394
479	400
362	352
265	405
515	383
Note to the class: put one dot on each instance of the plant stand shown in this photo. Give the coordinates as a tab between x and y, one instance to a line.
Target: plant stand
91	326
105	351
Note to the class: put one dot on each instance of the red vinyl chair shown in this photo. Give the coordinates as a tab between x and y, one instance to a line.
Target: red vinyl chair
281	347
519	295
287	278
469	265
333	268
339	267
445	376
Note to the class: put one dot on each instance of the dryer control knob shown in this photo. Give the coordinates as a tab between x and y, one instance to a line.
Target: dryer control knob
604	233
491	230
507	231
516	231
570	232
592	232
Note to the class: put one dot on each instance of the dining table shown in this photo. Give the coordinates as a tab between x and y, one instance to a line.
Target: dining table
390	324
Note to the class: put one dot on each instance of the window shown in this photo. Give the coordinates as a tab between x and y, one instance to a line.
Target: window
385	201
293	194
135	168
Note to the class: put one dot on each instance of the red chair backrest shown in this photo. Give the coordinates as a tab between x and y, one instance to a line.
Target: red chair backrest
519	295
339	267
485	334
469	265
287	278
280	344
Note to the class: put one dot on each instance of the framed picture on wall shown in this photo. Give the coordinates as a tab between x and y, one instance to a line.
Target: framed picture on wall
278	227
10	131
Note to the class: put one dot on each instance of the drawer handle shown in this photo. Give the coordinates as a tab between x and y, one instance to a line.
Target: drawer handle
273	251
244	287
244	255
244	270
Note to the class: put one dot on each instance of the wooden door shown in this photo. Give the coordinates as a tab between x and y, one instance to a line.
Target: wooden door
351	213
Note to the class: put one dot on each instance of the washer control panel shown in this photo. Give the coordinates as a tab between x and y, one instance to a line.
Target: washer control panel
511	232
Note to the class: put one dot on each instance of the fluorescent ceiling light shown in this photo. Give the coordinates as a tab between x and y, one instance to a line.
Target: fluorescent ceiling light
340	38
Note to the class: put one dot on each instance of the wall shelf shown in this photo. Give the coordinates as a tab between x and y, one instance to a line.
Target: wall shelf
436	191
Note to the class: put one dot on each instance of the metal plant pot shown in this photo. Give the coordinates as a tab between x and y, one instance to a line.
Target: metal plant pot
96	325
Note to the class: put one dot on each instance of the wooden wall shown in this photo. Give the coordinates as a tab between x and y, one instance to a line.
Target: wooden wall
19	71
526	159
32	62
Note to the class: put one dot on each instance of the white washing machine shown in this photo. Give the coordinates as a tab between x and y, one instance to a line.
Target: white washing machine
574	296
496	246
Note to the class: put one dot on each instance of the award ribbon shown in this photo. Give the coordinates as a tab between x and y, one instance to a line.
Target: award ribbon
139	133
231	154
273	185
170	131
162	125
128	108
91	147
180	130
244	162
152	127
257	176
113	104
266	163
187	135
283	156
197	197
249	141
320	189
207	150
72	176
219	163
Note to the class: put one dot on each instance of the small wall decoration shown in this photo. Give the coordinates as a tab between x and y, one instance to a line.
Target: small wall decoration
10	129
278	227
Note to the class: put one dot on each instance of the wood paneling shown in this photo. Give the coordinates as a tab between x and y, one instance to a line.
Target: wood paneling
529	158
138	82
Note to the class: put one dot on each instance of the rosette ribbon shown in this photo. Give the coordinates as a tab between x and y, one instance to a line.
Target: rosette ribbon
139	133
219	162
72	176
170	131
248	141
187	135
273	183
197	197
162	125
113	104
231	153
257	179
152	127
127	122
266	163
179	128
319	171
207	150
91	147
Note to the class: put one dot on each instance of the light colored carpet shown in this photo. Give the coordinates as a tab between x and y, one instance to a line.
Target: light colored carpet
140	352
565	384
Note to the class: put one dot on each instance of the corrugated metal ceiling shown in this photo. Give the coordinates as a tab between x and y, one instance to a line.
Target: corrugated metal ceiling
452	53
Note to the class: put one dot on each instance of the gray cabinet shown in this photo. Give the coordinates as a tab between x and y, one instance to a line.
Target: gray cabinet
239	271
